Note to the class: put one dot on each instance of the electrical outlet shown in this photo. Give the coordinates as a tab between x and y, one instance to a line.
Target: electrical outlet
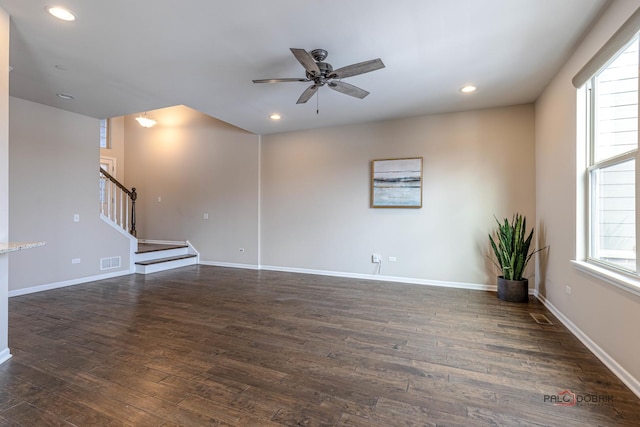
75	261
567	289
159	199
205	216
376	258
76	217
393	259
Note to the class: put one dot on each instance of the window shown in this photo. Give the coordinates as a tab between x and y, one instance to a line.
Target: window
104	134
612	121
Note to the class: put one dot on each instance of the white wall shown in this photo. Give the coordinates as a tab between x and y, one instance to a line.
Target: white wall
196	165
605	314
4	181
315	210
53	174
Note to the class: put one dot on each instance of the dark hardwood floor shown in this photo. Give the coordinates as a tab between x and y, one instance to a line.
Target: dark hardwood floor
204	345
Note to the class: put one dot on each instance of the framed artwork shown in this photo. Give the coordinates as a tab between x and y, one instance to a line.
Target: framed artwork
396	183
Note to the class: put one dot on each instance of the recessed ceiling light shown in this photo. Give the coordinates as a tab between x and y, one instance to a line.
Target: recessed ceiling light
468	89
275	117
61	13
65	96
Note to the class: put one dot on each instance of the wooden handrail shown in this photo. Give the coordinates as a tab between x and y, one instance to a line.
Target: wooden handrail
132	195
116	182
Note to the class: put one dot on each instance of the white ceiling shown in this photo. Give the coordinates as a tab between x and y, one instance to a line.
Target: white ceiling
126	56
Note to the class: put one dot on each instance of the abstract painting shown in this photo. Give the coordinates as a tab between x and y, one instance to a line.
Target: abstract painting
396	183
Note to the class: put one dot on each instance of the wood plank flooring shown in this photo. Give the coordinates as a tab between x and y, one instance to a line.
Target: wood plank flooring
209	346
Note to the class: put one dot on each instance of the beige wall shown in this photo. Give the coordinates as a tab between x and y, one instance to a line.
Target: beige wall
302	198
196	165
4	180
608	316
53	159
315	194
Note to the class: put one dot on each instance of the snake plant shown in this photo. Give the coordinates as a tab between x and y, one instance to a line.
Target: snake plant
511	247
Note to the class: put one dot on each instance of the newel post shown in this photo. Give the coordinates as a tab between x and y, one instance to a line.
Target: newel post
133	196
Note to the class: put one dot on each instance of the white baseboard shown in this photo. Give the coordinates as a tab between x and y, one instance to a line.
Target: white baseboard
230	265
624	376
64	284
408	280
4	355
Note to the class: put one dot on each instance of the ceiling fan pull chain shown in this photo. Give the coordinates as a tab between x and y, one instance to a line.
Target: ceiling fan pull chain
317	102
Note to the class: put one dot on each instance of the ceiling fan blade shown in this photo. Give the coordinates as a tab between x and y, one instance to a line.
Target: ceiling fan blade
293	79
307	94
355	69
348	89
306	60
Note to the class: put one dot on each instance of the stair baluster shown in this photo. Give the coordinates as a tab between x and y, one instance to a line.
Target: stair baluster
114	205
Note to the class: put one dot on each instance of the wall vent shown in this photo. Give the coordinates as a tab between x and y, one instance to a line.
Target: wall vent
541	319
109	263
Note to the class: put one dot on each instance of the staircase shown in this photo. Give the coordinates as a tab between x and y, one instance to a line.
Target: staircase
118	209
152	257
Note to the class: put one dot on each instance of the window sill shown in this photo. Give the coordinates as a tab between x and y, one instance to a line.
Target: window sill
619	280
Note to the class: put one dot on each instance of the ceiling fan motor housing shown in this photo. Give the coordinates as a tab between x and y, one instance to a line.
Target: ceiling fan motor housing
325	70
319	54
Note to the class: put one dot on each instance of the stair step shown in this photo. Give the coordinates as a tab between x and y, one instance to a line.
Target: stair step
168	259
144	248
152	257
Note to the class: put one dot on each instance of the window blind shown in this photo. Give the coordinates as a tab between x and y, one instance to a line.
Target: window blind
621	37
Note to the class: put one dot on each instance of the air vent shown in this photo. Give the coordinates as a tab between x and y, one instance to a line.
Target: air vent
541	319
109	263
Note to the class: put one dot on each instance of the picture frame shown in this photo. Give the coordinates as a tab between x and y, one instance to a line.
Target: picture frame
396	183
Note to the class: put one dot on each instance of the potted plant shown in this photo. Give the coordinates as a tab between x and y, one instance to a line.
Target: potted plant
512	250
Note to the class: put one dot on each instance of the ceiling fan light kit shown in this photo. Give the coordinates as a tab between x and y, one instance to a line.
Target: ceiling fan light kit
322	73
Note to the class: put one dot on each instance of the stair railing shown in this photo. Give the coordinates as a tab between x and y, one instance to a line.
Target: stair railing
117	202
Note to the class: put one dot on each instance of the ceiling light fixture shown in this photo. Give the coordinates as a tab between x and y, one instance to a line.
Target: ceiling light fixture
468	89
144	121
65	96
275	116
61	13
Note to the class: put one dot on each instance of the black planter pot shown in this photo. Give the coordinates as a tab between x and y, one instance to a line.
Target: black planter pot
513	290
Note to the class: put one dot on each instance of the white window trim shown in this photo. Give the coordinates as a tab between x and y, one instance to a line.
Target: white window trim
620	280
592	165
107	138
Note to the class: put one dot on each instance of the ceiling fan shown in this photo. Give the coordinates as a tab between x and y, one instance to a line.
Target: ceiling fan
322	73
